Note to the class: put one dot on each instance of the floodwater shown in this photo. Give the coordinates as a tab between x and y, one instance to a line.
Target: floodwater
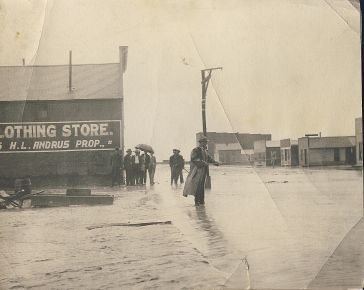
260	228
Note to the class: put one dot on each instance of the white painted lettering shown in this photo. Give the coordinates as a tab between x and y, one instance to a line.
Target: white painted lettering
28	132
41	131
47	145
103	129
66	144
9	132
18	130
66	131
12	146
94	130
85	130
51	131
76	127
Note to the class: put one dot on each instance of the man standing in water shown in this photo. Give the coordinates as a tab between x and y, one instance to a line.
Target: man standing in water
176	163
195	183
152	167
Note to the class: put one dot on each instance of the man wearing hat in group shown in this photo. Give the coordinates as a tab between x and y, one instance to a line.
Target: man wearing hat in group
139	167
129	166
116	166
176	162
195	183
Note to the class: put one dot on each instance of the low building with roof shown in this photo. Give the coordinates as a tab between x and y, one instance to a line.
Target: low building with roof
323	151
60	119
232	148
267	153
289	152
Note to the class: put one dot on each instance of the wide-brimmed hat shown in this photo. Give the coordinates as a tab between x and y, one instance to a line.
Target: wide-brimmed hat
177	150
129	150
203	139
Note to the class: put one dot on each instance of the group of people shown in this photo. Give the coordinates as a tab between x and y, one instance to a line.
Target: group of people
137	167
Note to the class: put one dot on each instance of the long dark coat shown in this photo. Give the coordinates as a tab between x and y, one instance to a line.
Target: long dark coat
198	171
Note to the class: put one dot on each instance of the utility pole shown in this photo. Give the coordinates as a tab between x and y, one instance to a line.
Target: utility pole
123	59
70	72
206	76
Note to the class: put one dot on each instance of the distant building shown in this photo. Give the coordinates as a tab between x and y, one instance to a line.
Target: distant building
359	141
60	119
321	151
233	148
289	152
267	153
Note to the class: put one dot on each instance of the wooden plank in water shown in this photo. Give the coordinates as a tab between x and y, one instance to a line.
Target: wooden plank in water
91	200
78	192
49	200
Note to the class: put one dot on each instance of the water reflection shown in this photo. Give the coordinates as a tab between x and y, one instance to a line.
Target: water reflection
214	237
212	243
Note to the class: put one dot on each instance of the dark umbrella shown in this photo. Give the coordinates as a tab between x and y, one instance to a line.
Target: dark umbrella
145	147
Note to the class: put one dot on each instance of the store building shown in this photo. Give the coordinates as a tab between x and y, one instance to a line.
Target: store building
323	151
289	152
267	153
232	148
60	119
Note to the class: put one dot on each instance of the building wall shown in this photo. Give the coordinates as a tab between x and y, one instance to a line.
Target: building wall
230	156
63	110
321	156
247	156
294	155
289	152
232	141
20	164
270	151
359	141
286	156
302	148
227	153
247	140
326	151
326	156
260	153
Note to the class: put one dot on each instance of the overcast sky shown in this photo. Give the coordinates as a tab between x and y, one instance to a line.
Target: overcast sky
290	67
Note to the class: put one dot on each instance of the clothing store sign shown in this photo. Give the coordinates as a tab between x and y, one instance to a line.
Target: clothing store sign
59	136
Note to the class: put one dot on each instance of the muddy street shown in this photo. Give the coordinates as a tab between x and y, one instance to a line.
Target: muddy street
260	228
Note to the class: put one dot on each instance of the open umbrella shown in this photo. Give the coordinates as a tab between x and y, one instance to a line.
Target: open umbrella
145	147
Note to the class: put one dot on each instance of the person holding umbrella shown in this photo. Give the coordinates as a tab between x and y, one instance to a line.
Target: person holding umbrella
145	158
138	167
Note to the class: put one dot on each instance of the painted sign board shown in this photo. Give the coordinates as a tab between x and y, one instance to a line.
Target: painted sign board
59	136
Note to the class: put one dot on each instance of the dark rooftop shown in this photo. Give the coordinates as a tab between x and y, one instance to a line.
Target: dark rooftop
89	81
